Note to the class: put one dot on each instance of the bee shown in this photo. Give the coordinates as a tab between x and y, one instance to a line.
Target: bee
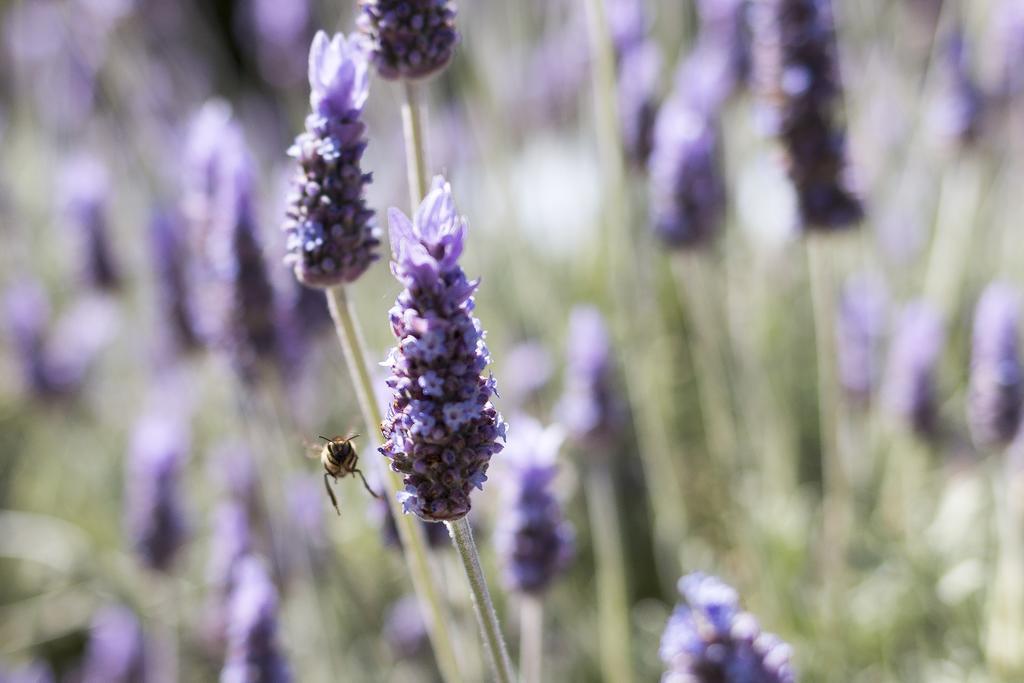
339	458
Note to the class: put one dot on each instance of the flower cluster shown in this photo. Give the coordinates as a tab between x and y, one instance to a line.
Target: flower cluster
996	383
590	407
959	116
534	539
168	259
687	187
254	653
331	236
860	325
909	391
116	652
708	639
154	511
409	39
441	429
798	71
84	192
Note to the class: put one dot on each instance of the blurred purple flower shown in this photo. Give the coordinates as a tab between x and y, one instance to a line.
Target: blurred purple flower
860	326
254	651
533	538
169	254
639	70
279	35
239	315
525	371
959	113
590	407
708	639
84	193
798	72
909	390
409	39
1008	23
687	187
233	466
35	672
441	429
331	236
116	652
724	27
628	23
154	511
404	628
996	394
308	531
230	542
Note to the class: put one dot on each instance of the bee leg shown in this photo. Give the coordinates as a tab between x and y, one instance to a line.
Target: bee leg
360	473
334	501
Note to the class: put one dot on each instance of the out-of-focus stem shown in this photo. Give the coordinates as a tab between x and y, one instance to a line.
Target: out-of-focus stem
612	593
531	639
951	245
415	151
1005	628
487	618
414	546
836	500
695	287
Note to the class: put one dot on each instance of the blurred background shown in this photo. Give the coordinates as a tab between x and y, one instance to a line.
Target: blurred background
148	441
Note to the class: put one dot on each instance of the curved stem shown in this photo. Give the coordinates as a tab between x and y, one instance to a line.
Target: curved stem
415	153
486	617
413	545
612	594
531	639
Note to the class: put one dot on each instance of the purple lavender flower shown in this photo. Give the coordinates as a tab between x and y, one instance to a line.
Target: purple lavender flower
279	31
404	628
239	315
441	429
724	25
168	260
254	652
909	391
533	538
84	193
308	532
996	389
628	23
27	313
799	74
233	467
708	639
154	512
409	39
331	236
590	407
860	325
959	116
639	69
687	187
116	652
231	541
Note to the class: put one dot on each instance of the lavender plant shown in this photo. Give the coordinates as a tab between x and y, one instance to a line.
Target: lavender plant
799	75
441	428
860	327
154	510
409	39
909	389
996	395
168	258
708	639
116	652
331	236
84	193
254	650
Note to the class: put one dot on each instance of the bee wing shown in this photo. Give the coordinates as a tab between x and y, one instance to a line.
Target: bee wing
312	449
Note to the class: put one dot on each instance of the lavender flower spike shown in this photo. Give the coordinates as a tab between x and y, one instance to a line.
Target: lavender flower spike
708	639
409	39
534	540
997	384
85	188
860	325
154	515
910	373
331	236
687	187
254	653
590	408
798	71
117	648
441	429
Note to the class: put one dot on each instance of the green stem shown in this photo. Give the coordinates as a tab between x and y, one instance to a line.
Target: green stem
836	501
486	617
531	639
612	593
413	544
1005	628
415	153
